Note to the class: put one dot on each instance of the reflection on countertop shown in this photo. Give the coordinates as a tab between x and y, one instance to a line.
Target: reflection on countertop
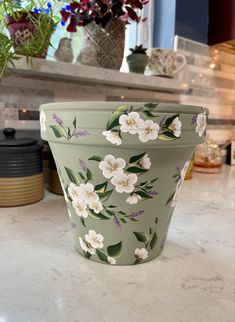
43	279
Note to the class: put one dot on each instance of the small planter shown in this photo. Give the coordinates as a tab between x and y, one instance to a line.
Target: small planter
103	47
121	169
23	31
137	63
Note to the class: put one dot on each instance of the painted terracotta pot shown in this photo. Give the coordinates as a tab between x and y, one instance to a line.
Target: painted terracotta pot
121	169
23	30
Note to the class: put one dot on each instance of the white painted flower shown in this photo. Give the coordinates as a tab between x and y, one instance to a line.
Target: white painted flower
141	253
130	123
148	130
111	260
43	121
133	199
86	248
74	191
184	170
95	240
124	182
96	206
145	162
201	123
112	167
88	194
80	207
175	126
113	137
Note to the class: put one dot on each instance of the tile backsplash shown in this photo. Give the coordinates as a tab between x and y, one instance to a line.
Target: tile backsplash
210	74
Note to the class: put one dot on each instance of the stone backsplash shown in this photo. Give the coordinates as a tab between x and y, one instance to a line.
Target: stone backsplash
210	74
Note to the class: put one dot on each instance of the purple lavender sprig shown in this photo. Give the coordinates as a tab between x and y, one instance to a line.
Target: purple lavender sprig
117	222
136	213
177	169
83	165
58	120
153	193
162	121
194	119
81	133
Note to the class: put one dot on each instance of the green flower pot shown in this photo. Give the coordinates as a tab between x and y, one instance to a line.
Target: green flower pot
121	168
137	63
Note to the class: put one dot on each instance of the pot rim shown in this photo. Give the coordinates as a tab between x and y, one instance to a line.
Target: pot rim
112	105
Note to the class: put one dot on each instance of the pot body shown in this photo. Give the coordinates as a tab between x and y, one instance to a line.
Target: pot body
103	47
137	63
23	30
121	168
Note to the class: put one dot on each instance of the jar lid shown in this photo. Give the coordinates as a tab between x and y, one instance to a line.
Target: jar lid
11	141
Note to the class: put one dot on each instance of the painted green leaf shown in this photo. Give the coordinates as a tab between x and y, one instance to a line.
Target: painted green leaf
132	219
122	212
101	186
141	237
167	136
99	216
150	106
170	119
170	199
71	175
114	250
83	222
109	212
136	158
136	170
88	174
112	206
57	131
149	187
81	175
101	255
153	241
75	123
154	180
150	114
156	220
105	195
123	220
143	195
95	158
87	255
69	133
143	183
114	119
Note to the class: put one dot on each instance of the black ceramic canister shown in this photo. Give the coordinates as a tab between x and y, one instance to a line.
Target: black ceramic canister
19	157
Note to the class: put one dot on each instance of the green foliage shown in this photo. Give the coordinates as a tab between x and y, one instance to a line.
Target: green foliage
139	50
7	55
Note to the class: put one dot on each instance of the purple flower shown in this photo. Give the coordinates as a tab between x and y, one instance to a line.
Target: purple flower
81	133
194	119
73	225
58	120
83	165
153	193
162	121
137	213
117	222
177	169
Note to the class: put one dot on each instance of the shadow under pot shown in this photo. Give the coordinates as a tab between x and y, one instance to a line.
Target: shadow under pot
21	176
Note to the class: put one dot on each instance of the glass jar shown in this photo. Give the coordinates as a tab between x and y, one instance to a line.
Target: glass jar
208	157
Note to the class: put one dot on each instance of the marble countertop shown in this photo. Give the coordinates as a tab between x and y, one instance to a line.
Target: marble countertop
43	279
66	72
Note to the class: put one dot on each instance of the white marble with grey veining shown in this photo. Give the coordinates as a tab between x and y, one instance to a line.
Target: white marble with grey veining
43	279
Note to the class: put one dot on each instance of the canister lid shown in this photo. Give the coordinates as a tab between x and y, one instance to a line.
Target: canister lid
11	141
